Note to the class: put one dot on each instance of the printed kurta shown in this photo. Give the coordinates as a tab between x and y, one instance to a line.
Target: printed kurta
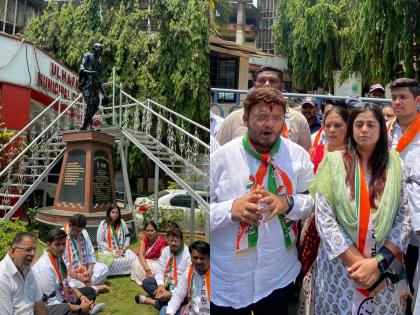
78	255
106	240
332	287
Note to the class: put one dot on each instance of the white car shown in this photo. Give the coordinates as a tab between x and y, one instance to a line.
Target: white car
170	203
170	199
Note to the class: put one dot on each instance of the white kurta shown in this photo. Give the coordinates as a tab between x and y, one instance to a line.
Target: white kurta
47	279
183	261
100	271
237	281
199	303
121	265
412	165
395	135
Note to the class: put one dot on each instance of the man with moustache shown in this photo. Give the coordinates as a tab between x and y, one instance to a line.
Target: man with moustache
310	109
295	126
257	190
194	285
19	293
53	281
173	262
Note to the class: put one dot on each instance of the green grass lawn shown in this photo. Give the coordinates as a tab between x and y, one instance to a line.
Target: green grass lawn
120	300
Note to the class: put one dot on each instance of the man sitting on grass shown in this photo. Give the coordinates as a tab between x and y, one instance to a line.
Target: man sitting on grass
79	257
194	284
173	262
53	280
19	293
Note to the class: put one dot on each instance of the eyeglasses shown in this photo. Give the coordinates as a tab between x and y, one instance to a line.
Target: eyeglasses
30	250
266	118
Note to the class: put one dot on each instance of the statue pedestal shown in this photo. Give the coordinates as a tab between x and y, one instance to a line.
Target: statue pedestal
86	182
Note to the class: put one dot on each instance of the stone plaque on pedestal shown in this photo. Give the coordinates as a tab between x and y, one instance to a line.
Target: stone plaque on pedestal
86	181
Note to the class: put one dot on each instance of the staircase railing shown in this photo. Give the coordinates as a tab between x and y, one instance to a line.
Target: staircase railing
25	171
189	153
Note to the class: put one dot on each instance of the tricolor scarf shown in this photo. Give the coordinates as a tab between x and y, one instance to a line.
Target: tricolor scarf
191	291
408	135
318	137
113	236
62	274
76	249
279	183
365	238
171	273
357	218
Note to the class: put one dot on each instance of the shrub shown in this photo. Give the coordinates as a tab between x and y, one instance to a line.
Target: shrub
8	230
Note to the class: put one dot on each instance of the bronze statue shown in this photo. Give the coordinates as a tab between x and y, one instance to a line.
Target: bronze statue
90	84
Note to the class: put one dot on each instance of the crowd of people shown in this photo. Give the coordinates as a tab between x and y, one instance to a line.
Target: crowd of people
329	222
68	276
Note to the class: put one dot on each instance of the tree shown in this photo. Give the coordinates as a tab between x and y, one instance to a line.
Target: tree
383	43
376	39
170	66
184	55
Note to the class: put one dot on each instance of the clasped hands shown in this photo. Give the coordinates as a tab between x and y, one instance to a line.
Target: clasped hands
85	277
162	294
248	209
365	273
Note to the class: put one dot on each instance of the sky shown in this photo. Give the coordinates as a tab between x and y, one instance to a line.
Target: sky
255	2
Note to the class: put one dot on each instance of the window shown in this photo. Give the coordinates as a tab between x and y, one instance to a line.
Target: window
181	201
224	73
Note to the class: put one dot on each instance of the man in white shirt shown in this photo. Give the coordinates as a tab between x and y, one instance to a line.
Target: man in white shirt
215	123
53	281
79	257
173	262
19	293
295	127
404	137
257	190
194	284
412	165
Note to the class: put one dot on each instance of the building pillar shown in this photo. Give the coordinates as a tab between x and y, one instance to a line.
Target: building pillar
240	22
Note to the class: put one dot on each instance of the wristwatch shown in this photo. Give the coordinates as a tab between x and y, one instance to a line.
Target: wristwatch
383	265
291	203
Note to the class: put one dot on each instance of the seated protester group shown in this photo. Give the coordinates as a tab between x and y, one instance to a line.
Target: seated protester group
151	246
79	257
113	239
194	284
173	262
53	281
19	293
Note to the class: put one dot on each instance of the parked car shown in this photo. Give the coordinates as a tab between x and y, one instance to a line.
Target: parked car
174	205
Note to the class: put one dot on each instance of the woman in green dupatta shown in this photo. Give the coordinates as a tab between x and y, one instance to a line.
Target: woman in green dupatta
363	223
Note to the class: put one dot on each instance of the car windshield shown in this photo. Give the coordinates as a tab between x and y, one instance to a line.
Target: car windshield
160	194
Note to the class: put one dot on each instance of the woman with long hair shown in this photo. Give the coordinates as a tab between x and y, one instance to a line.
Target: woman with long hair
151	246
363	222
335	129
113	239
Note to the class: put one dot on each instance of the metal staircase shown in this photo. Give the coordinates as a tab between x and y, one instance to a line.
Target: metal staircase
157	131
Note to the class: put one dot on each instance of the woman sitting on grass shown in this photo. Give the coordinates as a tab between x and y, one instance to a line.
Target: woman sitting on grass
113	239
151	246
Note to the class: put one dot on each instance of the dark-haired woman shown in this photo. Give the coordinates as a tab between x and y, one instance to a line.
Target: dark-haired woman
113	239
151	246
363	222
335	129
